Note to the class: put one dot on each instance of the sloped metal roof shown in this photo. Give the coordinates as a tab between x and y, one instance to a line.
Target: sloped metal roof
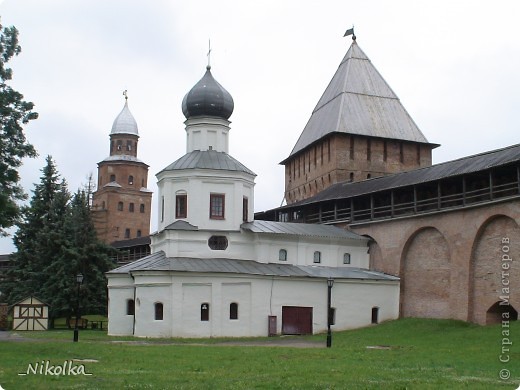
124	158
299	229
359	101
181	225
131	242
208	159
465	165
159	262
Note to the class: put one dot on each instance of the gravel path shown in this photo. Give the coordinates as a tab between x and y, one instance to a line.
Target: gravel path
291	342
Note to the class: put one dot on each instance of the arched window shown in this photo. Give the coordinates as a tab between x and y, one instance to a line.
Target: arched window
204	312
130	180
138	233
158	311
351	176
282	255
112	178
233	311
130	307
141	208
346	258
317	257
120	206
127	233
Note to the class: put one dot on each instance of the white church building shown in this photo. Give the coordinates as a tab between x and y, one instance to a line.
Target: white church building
214	271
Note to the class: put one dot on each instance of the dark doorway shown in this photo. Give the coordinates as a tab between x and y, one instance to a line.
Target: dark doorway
296	320
496	314
375	315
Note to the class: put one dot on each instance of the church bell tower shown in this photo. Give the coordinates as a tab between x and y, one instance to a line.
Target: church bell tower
121	205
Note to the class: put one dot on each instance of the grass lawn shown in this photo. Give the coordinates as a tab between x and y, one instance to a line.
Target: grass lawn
417	354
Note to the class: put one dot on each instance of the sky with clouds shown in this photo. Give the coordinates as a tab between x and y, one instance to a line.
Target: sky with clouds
453	64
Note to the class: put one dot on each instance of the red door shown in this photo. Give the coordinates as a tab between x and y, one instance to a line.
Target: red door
296	320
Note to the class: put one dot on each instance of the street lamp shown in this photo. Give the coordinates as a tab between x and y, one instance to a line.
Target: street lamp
79	280
330	283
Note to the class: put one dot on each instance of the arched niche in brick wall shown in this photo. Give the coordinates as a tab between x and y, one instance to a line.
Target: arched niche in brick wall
425	275
494	268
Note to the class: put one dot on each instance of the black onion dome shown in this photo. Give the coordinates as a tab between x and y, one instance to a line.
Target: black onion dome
208	98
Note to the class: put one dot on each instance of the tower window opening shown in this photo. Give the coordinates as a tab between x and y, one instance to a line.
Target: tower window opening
217	204
181	206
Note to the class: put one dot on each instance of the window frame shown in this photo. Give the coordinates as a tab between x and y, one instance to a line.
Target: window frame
130	307
233	311
158	311
284	257
347	258
131	207
120	206
245	209
204	311
212	207
218	243
316	257
181	200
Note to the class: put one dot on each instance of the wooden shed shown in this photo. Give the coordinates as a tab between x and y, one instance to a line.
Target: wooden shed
30	314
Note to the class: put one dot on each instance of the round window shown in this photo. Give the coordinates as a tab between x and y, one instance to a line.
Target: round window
218	243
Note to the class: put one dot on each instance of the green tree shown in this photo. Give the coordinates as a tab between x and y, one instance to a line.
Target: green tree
14	112
81	252
30	240
56	240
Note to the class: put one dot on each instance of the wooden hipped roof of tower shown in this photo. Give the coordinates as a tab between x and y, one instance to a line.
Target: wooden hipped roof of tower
358	101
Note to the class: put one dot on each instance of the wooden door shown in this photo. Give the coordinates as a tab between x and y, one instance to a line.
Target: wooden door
296	320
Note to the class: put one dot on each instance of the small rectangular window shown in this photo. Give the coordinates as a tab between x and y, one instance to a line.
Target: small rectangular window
120	206
245	209
131	207
217	206
204	312
181	206
127	233
233	311
162	208
346	258
159	315
130	307
317	257
141	208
